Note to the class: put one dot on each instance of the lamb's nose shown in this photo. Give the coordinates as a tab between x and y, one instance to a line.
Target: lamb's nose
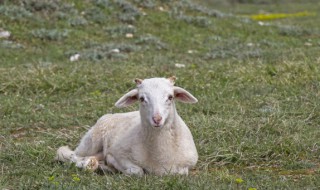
157	119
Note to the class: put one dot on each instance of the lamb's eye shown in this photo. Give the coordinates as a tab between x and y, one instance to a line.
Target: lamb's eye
141	99
170	97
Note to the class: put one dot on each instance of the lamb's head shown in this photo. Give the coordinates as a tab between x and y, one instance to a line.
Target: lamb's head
156	97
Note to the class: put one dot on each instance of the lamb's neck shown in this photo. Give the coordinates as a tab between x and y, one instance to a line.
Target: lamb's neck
160	142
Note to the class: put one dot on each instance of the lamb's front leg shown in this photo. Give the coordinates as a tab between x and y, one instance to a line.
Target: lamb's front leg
125	166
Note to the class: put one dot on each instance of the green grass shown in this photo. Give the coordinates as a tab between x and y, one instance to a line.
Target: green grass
257	121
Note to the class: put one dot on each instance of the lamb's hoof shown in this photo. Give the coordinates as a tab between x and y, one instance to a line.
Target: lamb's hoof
92	164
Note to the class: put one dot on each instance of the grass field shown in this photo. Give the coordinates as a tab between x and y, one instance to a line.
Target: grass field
257	123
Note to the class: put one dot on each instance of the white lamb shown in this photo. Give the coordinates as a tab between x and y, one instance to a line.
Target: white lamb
153	140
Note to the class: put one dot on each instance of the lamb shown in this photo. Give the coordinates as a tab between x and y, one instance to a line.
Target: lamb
152	140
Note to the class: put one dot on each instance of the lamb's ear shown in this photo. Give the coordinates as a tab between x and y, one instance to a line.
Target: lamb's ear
127	99
184	96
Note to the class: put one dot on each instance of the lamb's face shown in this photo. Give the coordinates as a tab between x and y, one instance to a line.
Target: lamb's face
156	97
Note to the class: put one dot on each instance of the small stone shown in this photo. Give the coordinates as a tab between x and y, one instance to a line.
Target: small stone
75	57
4	34
115	50
179	65
129	35
250	44
263	23
308	44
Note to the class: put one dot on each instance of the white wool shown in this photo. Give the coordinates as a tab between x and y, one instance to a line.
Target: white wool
154	139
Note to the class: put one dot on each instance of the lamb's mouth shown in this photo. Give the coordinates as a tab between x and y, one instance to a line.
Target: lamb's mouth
157	126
